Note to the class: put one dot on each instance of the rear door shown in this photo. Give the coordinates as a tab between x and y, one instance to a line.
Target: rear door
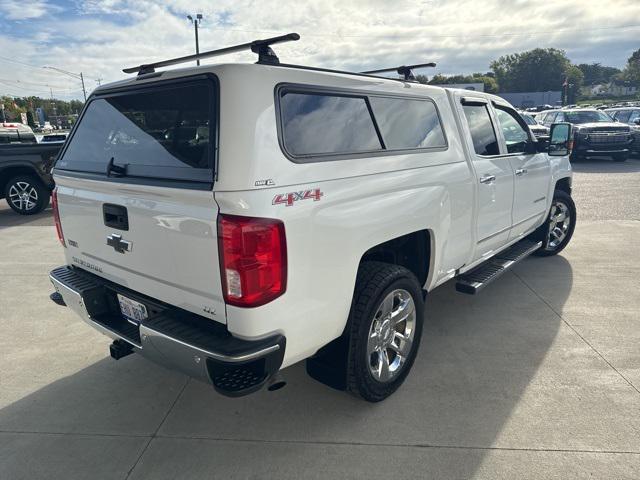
532	171
135	192
494	175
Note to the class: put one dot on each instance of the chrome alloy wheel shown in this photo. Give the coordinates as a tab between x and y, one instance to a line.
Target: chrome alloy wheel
391	335
23	196
559	223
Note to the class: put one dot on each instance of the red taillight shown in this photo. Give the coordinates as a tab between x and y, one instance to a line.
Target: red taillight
253	259
56	216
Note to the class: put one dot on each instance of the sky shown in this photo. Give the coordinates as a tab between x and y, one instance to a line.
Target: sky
100	37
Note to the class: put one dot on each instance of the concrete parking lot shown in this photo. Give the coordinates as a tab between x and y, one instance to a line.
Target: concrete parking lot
536	378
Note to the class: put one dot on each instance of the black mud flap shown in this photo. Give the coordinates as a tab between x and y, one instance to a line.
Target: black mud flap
329	365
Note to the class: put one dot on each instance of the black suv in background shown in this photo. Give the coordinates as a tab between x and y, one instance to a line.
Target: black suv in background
630	116
25	178
594	133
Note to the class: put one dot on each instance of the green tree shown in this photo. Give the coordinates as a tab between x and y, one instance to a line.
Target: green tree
537	70
490	84
30	120
631	72
575	78
595	73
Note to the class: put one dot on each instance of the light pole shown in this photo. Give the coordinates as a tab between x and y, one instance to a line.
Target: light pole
196	22
79	76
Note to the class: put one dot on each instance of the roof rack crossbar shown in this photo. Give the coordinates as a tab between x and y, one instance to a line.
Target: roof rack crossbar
261	47
405	70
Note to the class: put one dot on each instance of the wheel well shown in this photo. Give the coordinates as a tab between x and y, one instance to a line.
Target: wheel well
8	173
564	184
412	251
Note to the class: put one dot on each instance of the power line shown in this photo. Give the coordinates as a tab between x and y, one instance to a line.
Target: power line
391	35
57	87
39	67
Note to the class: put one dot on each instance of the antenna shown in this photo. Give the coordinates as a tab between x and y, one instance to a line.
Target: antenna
405	70
261	47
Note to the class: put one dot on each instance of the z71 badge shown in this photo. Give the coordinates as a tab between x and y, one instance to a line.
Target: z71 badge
290	198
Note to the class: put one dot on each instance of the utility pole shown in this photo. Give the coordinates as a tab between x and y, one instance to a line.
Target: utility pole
79	76
99	81
53	106
196	23
84	91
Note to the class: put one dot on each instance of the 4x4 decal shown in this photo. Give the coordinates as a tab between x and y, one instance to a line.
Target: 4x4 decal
290	198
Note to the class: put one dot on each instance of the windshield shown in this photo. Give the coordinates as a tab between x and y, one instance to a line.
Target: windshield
587	116
528	119
156	133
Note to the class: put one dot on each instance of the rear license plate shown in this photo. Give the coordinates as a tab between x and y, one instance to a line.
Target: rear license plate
133	311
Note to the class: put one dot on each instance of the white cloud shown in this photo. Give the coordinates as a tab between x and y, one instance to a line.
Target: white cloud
102	37
23	10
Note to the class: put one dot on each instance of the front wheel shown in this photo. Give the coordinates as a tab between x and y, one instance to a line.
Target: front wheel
621	157
561	222
26	194
385	330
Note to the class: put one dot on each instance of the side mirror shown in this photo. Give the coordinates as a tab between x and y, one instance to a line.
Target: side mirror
560	140
637	121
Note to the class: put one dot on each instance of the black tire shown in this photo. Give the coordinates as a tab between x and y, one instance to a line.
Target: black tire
544	232
39	194
376	281
574	157
620	157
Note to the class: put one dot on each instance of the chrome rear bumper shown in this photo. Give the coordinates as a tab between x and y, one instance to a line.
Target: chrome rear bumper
173	337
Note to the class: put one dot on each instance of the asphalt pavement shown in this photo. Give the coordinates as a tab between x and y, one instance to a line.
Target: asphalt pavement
538	377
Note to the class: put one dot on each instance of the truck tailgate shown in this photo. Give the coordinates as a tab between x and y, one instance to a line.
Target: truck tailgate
168	250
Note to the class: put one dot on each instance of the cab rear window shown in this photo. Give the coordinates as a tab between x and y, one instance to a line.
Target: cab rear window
160	132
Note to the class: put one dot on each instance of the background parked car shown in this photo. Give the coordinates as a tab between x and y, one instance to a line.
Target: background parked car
536	128
16	133
25	179
630	116
594	133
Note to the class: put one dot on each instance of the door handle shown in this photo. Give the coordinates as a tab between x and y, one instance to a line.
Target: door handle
487	179
521	171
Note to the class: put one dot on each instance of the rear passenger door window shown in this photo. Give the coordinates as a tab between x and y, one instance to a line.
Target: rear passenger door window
483	135
316	124
515	136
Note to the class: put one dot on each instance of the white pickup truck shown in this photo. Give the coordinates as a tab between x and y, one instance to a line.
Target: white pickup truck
231	220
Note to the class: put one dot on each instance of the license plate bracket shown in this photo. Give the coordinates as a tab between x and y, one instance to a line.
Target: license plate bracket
132	310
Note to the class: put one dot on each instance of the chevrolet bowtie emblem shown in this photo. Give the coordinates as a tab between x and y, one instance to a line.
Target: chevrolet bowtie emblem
119	245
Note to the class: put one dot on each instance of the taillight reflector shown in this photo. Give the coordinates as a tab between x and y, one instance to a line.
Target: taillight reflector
253	259
56	216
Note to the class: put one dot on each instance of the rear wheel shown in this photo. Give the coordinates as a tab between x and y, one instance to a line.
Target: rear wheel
558	229
385	329
26	194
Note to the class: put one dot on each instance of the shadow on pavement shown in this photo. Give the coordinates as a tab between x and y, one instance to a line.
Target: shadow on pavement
9	218
478	355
